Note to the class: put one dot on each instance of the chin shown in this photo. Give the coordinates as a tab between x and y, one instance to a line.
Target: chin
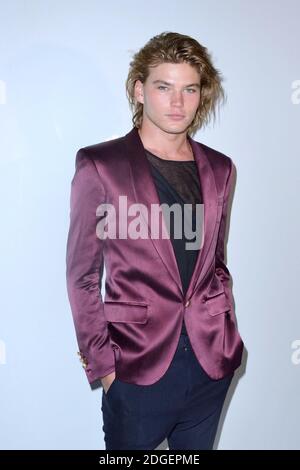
175	128
178	129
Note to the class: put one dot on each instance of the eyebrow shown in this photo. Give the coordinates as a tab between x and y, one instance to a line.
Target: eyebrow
170	84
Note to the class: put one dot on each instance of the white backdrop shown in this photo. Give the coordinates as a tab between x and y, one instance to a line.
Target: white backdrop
63	67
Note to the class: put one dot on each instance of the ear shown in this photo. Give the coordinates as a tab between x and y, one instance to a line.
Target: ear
139	91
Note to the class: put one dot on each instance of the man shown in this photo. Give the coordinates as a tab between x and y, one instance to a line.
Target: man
164	340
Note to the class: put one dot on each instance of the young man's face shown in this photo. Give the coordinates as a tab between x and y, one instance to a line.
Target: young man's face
170	97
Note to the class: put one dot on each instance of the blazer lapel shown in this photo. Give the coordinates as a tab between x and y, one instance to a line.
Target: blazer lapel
145	193
210	202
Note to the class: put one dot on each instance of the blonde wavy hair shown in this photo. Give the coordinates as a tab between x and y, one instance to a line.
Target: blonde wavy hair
177	48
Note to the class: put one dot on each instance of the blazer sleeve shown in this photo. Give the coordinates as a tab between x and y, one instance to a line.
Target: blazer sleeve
221	268
84	269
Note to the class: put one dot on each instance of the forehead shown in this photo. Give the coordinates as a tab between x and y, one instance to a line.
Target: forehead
179	73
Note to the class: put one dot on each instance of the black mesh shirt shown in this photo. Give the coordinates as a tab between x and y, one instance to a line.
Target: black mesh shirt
177	181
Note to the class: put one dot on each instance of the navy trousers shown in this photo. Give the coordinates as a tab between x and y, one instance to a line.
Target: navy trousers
183	406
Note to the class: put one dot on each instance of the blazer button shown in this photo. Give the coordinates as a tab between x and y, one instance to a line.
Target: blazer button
188	302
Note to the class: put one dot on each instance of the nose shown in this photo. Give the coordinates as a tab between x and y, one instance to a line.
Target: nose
176	98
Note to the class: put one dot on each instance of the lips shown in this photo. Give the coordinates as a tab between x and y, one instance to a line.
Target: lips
175	117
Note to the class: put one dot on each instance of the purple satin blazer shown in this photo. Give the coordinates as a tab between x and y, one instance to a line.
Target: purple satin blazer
135	329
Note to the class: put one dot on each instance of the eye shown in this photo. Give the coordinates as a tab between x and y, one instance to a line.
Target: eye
162	87
191	90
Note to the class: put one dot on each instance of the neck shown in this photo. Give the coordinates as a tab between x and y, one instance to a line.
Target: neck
167	146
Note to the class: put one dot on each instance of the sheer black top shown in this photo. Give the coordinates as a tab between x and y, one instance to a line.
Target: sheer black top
177	181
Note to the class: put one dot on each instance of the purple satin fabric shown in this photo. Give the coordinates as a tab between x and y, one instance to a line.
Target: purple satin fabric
135	329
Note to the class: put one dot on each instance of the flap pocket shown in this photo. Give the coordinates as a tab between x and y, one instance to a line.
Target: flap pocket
126	311
217	304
